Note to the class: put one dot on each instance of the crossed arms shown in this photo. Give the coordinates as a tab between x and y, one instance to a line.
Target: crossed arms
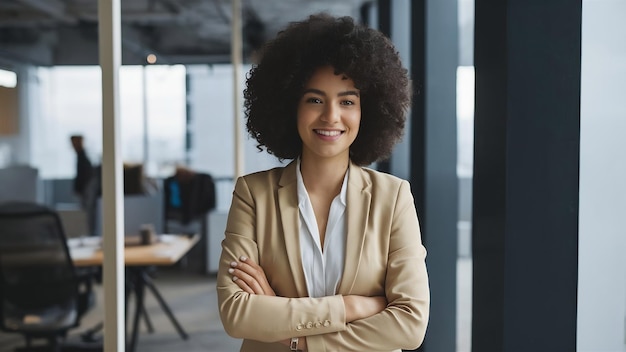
393	319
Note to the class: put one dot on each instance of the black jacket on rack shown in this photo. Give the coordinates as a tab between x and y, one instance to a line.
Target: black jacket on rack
188	197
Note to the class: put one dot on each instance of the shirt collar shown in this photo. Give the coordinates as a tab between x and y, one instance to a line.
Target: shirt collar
303	194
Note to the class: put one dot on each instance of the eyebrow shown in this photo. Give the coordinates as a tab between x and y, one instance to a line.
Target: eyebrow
341	94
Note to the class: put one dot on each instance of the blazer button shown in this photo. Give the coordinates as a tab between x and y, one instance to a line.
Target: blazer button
326	323
309	325
299	327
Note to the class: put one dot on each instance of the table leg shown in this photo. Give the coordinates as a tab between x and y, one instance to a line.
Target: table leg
138	288
147	320
128	289
140	280
148	282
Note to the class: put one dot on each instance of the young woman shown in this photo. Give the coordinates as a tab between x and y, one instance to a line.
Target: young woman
325	254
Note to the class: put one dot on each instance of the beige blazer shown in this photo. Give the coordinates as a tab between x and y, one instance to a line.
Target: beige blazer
384	256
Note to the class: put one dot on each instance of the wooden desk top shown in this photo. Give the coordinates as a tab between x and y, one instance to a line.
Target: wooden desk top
167	251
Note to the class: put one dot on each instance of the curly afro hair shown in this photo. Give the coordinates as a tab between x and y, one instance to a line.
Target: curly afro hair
274	86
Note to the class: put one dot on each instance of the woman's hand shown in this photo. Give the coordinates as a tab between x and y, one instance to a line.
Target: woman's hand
250	277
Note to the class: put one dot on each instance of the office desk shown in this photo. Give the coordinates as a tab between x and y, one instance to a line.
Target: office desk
167	251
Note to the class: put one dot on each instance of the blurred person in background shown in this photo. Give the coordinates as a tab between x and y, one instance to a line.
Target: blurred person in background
86	183
84	168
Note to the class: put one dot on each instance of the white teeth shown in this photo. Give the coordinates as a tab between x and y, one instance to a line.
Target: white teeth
328	133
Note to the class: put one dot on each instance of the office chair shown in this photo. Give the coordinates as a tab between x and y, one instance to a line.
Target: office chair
41	294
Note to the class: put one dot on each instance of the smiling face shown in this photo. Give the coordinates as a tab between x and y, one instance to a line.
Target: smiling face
329	115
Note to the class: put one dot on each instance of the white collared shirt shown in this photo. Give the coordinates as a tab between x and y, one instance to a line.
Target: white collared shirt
322	268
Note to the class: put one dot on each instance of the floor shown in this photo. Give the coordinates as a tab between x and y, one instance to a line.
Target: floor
193	299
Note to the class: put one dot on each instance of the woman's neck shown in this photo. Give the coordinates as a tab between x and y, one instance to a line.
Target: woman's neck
323	176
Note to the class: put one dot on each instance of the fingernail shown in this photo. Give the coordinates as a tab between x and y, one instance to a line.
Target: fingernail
235	278
231	270
243	258
233	264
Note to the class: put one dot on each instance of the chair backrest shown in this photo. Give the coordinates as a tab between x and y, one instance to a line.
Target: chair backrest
37	276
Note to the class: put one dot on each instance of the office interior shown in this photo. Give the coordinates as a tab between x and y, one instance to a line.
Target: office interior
514	146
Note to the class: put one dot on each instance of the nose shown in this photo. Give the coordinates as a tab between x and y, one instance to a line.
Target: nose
331	114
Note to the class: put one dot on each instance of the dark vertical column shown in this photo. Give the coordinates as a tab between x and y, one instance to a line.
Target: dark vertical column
188	129
384	25
365	11
434	58
526	160
384	17
418	110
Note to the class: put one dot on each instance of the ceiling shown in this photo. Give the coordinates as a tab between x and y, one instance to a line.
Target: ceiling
65	32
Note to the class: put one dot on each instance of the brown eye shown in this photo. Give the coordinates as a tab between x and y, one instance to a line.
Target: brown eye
313	100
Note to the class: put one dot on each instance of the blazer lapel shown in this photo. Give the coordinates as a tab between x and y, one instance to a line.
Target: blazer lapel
289	214
358	205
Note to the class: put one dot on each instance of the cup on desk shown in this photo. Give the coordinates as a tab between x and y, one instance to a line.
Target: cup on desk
147	234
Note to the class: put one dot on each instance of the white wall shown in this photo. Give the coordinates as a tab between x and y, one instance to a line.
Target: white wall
211	111
602	251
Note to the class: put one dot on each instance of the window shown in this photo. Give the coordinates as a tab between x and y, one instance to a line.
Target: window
8	79
71	102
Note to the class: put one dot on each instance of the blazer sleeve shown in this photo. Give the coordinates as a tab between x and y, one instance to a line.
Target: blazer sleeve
402	325
259	317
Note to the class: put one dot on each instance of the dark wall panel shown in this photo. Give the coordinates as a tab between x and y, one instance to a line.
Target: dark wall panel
525	209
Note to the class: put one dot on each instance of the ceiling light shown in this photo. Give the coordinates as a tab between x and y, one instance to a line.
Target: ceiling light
8	78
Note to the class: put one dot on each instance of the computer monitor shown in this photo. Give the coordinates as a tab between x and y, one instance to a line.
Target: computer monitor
138	210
